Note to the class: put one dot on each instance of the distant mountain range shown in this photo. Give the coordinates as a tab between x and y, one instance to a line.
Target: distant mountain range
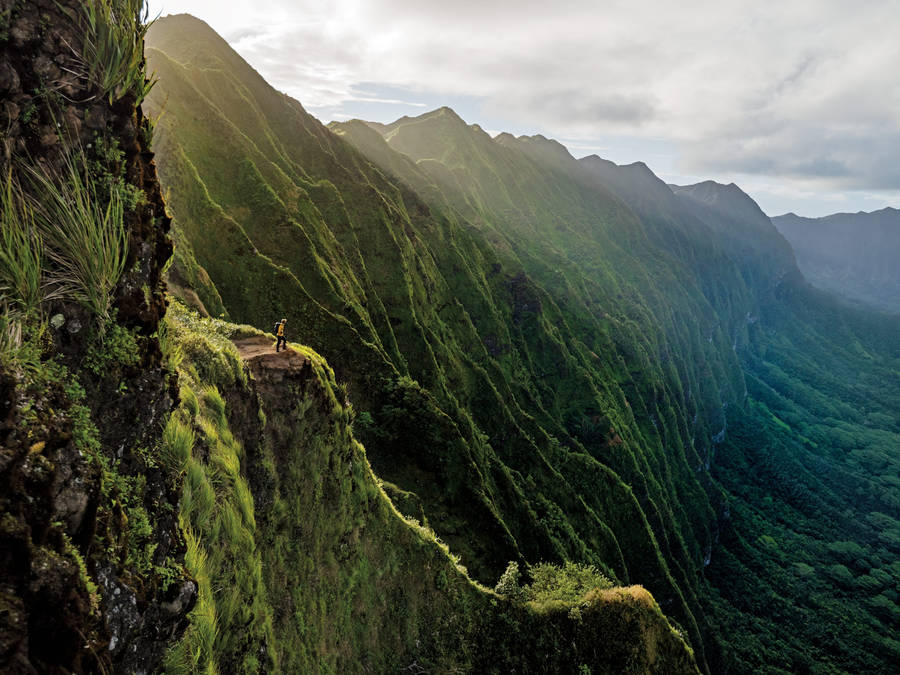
854	254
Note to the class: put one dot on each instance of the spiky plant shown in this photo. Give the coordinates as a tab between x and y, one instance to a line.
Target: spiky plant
21	257
113	55
21	251
83	230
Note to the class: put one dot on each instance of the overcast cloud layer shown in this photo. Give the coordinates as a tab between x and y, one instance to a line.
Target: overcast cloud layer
798	102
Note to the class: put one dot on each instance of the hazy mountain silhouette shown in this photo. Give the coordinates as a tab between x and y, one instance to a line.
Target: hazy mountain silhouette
854	254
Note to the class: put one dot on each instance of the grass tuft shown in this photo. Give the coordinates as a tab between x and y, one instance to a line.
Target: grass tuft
21	252
178	442
84	239
21	261
113	55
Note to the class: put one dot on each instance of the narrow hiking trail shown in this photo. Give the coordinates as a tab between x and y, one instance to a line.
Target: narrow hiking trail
259	353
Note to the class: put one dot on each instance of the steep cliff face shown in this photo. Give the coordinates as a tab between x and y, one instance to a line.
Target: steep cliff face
305	565
91	553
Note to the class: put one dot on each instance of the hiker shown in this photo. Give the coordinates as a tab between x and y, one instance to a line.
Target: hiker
279	333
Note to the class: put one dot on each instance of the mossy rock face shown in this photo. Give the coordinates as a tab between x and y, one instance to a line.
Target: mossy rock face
87	508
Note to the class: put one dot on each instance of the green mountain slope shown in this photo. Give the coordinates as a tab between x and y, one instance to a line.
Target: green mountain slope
304	564
492	435
547	355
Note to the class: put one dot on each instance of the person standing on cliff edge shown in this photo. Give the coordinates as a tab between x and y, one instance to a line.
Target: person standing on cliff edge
279	333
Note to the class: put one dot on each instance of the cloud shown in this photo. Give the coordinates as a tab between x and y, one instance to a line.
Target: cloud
576	111
803	90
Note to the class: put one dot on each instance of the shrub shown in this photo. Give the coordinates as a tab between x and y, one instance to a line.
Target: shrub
569	583
509	582
552	583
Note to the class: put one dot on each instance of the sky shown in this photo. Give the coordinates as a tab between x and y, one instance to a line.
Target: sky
798	102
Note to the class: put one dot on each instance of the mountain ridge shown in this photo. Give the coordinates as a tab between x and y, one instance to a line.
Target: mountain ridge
596	359
851	254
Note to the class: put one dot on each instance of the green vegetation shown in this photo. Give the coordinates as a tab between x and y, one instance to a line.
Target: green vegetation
81	233
304	565
810	465
567	584
63	240
113	53
555	362
21	265
21	254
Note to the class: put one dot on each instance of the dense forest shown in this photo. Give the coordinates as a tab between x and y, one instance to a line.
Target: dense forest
538	414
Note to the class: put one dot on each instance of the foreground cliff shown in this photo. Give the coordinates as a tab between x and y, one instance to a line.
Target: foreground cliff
91	575
305	565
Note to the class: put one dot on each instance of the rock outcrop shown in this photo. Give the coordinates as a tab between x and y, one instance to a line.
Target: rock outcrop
89	546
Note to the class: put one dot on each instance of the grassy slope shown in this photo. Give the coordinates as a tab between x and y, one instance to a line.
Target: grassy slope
278	489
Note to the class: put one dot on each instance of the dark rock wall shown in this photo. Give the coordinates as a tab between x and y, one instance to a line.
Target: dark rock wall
69	601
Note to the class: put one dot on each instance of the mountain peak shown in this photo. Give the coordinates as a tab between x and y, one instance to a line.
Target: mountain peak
626	177
728	200
443	111
547	148
185	21
713	193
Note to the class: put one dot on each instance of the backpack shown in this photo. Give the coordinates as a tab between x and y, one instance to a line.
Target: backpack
275	330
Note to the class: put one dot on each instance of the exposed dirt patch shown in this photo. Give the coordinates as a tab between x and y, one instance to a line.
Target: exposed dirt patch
260	353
